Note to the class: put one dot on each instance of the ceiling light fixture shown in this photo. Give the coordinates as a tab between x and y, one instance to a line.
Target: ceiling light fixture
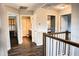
23	7
62	7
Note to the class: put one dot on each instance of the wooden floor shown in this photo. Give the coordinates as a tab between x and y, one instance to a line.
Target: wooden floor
27	48
27	42
21	51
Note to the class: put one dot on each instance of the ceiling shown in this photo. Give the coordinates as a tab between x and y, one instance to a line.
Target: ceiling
57	6
35	6
30	6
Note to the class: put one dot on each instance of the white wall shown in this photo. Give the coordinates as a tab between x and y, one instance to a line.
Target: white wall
75	26
39	24
3	31
25	12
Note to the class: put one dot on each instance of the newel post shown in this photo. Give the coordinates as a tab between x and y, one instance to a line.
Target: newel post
67	36
44	44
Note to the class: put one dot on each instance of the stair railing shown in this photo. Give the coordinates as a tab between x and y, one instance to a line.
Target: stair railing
58	44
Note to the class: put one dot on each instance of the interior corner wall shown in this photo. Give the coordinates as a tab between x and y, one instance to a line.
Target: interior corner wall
75	27
39	24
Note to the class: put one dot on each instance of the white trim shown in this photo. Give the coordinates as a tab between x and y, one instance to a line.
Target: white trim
11	14
18	27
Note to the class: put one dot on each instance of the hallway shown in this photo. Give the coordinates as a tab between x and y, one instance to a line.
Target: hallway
38	15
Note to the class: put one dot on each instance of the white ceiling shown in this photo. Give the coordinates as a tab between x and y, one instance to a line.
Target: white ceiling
34	6
57	6
31	6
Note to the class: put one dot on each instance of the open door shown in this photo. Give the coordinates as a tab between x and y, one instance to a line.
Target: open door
51	23
66	23
13	31
26	30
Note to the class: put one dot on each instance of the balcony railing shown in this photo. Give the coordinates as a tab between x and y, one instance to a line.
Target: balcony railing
58	44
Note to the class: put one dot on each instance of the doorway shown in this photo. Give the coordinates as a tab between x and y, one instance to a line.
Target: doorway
66	22
51	23
13	31
26	30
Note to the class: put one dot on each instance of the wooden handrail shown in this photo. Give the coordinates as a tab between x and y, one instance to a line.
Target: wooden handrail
58	32
62	40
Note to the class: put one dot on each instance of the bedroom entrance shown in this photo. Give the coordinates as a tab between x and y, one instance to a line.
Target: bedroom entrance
13	31
26	31
51	23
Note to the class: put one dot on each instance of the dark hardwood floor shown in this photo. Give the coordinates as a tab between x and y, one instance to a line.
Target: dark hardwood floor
27	48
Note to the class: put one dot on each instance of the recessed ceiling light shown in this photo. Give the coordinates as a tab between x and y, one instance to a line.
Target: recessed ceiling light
60	7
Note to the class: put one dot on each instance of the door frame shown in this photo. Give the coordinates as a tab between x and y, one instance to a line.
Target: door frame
50	19
61	19
31	16
12	14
